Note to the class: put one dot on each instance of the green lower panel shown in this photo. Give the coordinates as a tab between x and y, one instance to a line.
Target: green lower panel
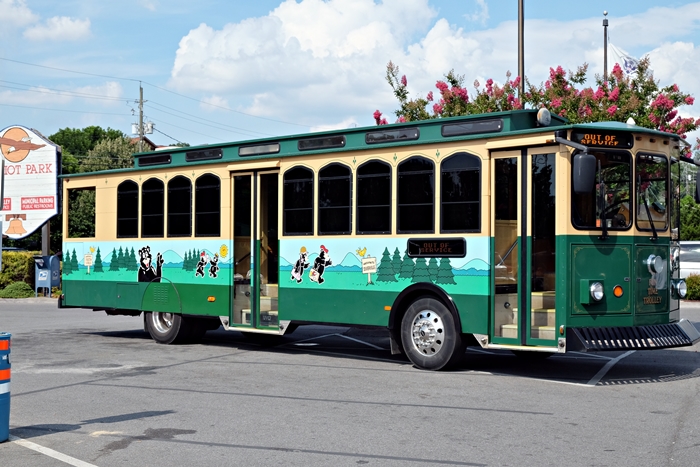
335	306
163	296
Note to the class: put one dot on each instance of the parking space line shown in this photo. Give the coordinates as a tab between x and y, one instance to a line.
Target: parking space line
50	452
596	379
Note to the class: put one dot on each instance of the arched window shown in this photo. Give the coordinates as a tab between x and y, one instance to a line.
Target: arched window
416	196
298	201
460	193
207	217
374	198
334	200
127	209
152	208
179	207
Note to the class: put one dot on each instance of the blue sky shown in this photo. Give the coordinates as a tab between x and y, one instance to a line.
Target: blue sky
224	71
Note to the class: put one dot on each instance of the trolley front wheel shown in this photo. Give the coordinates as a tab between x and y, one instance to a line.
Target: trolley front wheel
429	335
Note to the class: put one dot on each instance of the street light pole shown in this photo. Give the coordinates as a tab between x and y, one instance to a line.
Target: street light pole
605	47
521	50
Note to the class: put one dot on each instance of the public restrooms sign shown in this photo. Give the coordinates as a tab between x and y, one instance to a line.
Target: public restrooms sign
31	181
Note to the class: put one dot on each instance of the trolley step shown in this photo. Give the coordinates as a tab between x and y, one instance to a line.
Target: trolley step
537	332
267	318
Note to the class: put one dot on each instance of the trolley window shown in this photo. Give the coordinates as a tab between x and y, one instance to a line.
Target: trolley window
416	196
460	189
207	220
127	209
179	207
374	198
152	208
334	200
298	202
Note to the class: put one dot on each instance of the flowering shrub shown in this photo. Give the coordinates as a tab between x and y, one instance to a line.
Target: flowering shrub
616	99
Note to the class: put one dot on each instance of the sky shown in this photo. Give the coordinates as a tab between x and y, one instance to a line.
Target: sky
214	72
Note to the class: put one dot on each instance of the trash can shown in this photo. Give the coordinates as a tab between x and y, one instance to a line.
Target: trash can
4	386
47	273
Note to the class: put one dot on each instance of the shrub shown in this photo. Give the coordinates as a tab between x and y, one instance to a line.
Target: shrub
17	290
693	283
17	266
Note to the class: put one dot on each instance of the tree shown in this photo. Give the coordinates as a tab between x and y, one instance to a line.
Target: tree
132	264
114	153
407	267
690	219
98	261
74	262
445	275
396	261
78	142
120	259
421	273
114	261
385	271
618	98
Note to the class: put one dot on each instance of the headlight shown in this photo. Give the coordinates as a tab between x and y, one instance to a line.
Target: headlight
655	264
682	289
596	290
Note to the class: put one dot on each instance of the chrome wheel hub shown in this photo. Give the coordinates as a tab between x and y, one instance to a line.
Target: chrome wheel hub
428	332
162	321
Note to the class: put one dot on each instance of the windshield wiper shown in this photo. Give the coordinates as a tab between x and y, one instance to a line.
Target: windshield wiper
646	207
601	201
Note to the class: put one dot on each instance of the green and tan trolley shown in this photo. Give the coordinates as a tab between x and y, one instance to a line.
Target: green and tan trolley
512	230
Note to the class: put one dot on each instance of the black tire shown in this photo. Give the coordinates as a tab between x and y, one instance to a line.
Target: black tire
429	336
167	328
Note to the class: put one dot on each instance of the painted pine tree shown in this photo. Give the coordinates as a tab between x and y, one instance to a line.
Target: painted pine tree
396	261
445	274
421	273
74	262
120	259
97	267
433	268
113	264
385	271
132	264
186	260
66	269
407	267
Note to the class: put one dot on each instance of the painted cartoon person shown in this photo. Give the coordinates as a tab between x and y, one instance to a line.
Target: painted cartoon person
214	268
148	272
300	265
320	263
203	260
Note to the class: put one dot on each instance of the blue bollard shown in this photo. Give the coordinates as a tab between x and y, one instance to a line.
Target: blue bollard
4	386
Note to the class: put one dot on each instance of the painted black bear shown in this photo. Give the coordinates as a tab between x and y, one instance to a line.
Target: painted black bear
148	272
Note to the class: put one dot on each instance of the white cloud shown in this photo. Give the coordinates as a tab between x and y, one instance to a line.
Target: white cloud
481	15
16	14
211	103
325	60
59	28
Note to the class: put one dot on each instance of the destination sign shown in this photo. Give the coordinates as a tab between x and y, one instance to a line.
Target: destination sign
605	139
436	248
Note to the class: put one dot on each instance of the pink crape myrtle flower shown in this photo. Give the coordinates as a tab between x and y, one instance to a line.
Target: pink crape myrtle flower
401	119
612	109
442	86
437	108
429	97
690	100
556	102
404	81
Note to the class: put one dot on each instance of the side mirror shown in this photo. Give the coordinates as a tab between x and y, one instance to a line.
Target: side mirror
584	173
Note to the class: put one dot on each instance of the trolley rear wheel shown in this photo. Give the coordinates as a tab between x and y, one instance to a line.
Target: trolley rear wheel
166	328
429	335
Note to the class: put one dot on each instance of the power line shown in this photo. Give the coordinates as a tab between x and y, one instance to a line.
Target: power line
174	139
217	125
62	93
61	110
157	87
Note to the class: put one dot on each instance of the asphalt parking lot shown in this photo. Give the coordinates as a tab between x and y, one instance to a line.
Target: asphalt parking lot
92	390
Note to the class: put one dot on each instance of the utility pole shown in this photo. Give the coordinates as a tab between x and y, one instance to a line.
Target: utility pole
140	117
605	47
521	49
